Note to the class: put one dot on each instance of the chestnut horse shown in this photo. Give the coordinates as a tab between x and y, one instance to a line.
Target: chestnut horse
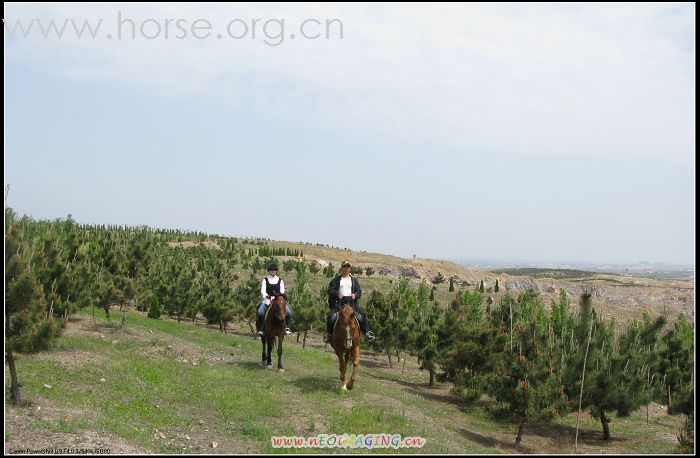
346	342
274	326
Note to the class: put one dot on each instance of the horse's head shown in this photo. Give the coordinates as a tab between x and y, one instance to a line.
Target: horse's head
349	325
347	314
279	307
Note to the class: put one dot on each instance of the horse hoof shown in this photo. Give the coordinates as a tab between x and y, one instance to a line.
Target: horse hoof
344	388
350	387
280	370
269	366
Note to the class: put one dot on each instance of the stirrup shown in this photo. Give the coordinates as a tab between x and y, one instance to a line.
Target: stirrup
261	333
287	332
370	335
326	338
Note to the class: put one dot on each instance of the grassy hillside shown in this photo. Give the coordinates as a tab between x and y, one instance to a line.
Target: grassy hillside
621	296
168	387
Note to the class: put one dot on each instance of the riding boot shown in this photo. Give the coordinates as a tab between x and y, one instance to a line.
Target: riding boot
259	323
330	319
363	324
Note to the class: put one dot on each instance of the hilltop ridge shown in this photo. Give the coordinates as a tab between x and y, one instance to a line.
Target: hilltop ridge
620	296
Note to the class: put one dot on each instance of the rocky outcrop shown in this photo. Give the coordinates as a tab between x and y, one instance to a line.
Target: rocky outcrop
522	284
410	272
319	262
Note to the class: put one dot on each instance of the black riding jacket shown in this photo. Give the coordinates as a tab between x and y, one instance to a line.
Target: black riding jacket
333	288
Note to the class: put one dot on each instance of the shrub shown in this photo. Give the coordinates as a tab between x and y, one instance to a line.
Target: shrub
154	310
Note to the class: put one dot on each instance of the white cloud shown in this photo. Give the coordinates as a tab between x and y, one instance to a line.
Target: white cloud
577	80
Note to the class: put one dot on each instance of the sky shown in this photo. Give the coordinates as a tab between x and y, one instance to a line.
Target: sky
480	131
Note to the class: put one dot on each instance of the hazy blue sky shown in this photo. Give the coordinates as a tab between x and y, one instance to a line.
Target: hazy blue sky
497	132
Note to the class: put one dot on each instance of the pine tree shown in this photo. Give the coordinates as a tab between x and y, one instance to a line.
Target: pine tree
524	384
246	300
615	379
439	278
330	270
382	313
289	265
427	318
29	324
676	366
639	341
154	310
465	345
308	312
214	297
560	315
404	302
174	283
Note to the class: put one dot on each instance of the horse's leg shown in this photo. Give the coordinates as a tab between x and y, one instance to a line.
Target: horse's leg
280	339
269	339
264	342
343	367
355	365
346	357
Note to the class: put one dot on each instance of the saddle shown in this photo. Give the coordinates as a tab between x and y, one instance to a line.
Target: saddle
337	317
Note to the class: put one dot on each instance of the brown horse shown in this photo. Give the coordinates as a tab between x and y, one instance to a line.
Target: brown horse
274	326
346	342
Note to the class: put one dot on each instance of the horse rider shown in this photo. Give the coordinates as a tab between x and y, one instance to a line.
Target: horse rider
345	289
271	286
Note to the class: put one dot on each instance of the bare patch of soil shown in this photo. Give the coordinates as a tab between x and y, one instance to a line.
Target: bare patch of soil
21	432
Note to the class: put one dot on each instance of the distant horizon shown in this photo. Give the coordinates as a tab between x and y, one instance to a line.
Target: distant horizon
575	265
463	261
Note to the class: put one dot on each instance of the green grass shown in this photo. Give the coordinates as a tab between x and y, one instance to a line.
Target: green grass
148	390
363	418
63	425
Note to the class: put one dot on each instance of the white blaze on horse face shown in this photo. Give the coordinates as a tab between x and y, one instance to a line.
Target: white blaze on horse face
347	333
